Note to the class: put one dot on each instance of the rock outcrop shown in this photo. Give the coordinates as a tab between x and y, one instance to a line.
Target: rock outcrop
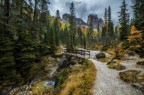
95	21
79	22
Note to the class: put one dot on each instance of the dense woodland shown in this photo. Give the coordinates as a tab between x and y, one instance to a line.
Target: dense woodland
28	32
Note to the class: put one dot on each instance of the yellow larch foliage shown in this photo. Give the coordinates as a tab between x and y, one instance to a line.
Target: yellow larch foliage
135	34
135	38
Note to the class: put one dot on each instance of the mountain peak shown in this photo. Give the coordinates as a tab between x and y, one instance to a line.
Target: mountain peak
80	22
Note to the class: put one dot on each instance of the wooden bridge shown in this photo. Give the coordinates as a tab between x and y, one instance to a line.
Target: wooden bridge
79	53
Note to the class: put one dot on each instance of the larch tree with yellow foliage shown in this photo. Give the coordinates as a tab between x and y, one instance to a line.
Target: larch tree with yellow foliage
135	38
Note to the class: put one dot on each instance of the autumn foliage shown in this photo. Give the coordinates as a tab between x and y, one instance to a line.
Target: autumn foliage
135	38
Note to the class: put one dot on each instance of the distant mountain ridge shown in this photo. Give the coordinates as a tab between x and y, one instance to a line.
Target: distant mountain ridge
80	22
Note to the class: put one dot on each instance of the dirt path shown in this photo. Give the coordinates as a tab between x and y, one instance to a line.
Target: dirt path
108	81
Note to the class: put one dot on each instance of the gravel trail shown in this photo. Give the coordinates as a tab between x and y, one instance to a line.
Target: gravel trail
108	81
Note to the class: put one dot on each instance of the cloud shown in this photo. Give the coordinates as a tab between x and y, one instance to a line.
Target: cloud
87	7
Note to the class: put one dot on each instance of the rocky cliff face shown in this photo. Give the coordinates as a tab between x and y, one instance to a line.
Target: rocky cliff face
80	22
95	20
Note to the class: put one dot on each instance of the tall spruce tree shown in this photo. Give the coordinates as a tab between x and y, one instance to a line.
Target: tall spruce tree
124	20
72	24
84	42
138	7
24	46
106	19
80	36
6	47
66	37
91	28
90	36
110	25
104	29
44	27
52	40
98	29
57	27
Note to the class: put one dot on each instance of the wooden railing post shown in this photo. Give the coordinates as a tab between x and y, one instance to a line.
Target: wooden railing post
84	53
89	54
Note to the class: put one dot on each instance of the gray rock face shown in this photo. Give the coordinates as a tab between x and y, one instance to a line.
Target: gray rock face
65	17
80	22
95	21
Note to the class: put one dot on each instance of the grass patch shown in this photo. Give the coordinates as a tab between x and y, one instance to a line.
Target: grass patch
115	65
111	52
104	59
80	81
131	76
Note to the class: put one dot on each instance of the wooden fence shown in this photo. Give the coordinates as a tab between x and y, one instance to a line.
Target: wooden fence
82	53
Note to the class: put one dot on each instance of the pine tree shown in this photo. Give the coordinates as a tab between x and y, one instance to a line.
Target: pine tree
109	20
103	35
1	7
57	27
98	29
80	36
106	19
72	24
52	41
91	29
45	38
110	25
90	36
116	33
6	48
65	37
104	29
124	20
138	7
84	42
35	16
24	47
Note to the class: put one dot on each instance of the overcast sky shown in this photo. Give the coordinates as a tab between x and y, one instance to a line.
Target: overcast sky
86	7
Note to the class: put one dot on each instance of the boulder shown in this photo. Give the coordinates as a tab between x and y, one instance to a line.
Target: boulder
100	55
